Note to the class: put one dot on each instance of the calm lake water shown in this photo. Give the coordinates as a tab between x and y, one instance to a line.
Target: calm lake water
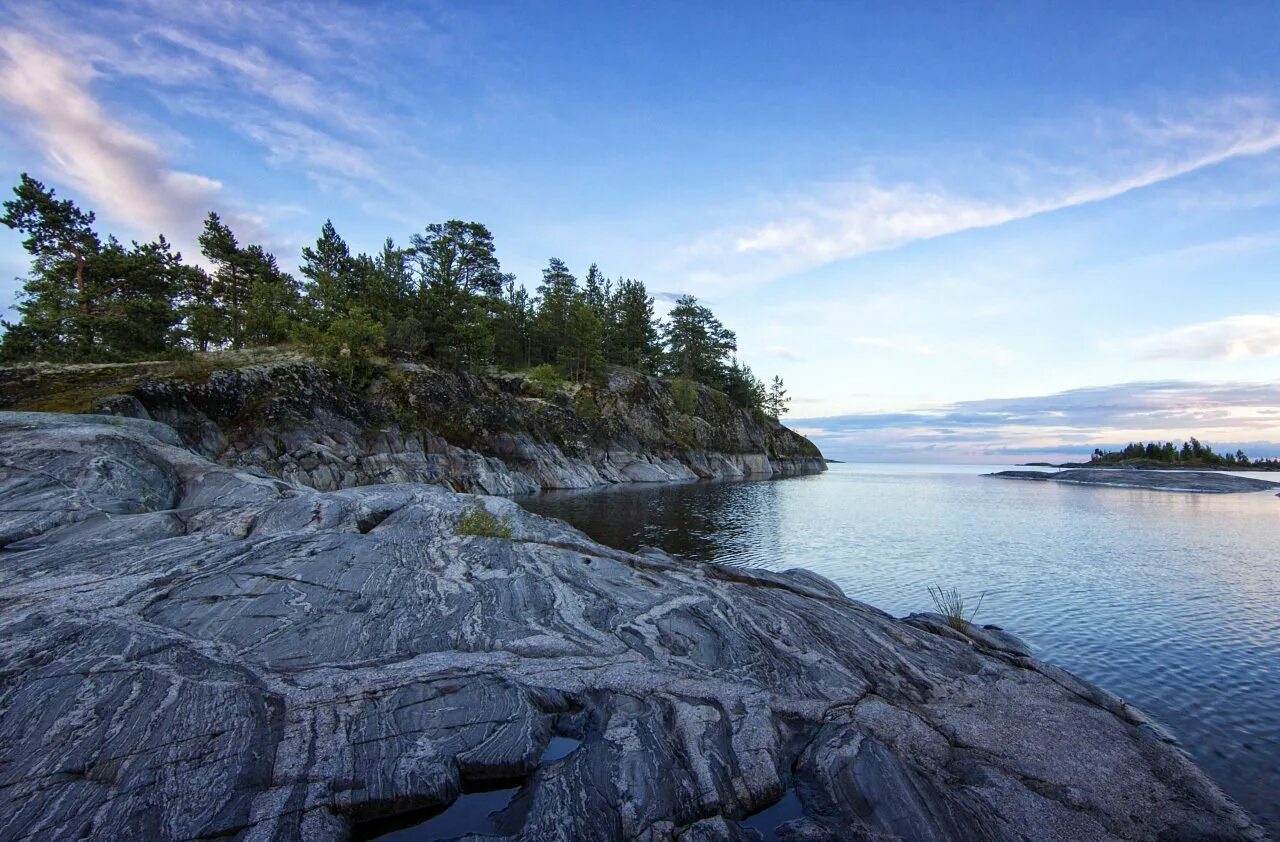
1170	600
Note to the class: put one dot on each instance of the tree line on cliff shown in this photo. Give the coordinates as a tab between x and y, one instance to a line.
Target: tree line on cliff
443	296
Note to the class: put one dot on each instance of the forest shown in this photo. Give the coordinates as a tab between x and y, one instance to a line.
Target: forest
443	296
1191	454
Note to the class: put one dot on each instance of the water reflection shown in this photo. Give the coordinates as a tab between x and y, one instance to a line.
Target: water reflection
1170	600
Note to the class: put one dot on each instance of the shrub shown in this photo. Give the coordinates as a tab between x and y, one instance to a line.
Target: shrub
950	604
476	521
543	381
347	345
685	395
584	404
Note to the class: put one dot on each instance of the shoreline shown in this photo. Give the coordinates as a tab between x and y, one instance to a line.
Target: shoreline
332	633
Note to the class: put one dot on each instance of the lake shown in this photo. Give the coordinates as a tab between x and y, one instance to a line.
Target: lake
1170	600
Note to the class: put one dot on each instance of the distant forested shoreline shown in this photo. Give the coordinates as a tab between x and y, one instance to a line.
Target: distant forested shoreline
1192	454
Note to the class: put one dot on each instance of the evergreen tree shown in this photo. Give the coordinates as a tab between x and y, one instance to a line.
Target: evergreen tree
556	294
596	292
330	270
632	333
698	345
579	355
458	277
231	279
57	300
776	400
134	313
513	326
742	386
204	322
271	312
252	300
389	285
458	255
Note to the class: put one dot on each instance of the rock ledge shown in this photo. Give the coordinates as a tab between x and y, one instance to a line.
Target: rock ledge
195	651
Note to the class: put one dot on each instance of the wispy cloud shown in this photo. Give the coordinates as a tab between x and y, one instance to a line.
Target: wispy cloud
841	220
1060	423
120	169
295	78
1232	338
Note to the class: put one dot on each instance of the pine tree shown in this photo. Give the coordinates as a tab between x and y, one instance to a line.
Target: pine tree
513	326
459	255
776	400
57	301
579	356
596	291
698	345
631	337
330	270
134	314
203	322
231	279
742	386
271	312
556	295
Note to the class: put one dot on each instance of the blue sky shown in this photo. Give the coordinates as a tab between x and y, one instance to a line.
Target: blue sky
958	232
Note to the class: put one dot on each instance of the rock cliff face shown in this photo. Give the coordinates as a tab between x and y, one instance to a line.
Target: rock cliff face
493	434
193	651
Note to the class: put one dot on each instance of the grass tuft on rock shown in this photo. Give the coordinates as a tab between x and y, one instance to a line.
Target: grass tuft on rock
950	604
476	521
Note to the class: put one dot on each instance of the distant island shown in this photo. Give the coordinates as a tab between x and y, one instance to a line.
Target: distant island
1192	455
1195	482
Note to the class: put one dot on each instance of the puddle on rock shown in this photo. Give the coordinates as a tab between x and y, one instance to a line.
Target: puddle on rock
470	813
558	748
766	821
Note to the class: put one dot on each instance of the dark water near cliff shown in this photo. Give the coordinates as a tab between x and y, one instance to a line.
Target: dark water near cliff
1170	600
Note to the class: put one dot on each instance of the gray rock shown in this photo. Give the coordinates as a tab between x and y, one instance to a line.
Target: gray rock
484	434
193	651
1198	482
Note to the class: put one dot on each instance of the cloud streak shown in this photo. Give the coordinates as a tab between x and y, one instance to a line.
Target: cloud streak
122	171
1067	422
838	221
1232	338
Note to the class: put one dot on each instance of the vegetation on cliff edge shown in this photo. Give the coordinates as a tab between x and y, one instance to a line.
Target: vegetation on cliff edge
442	297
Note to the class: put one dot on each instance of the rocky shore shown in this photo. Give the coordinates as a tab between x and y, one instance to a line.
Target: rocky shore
1187	481
493	434
192	650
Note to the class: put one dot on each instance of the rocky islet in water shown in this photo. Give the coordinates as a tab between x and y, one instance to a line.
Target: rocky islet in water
1155	480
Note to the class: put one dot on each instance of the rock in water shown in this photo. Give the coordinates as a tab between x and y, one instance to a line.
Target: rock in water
192	651
1196	482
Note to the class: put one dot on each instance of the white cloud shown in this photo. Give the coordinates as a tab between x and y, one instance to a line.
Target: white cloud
1232	338
1226	415
837	221
295	78
120	170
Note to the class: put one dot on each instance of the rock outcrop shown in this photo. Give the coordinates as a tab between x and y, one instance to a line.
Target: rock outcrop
493	434
1187	481
195	651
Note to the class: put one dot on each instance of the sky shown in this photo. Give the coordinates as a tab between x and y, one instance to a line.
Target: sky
959	232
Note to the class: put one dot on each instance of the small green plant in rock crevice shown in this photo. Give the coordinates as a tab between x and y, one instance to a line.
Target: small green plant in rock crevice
685	395
950	604
476	521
